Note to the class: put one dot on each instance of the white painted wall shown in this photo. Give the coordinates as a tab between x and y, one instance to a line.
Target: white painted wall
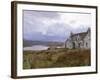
5	41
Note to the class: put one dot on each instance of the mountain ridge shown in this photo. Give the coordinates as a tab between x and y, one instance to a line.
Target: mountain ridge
46	43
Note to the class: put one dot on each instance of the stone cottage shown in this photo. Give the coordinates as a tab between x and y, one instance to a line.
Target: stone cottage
79	40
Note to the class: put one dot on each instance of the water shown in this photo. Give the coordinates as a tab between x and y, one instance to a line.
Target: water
36	48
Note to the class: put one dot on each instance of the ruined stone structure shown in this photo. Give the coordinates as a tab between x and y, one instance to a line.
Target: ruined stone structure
79	40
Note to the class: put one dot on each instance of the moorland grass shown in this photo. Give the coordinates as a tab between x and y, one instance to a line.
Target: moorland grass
60	57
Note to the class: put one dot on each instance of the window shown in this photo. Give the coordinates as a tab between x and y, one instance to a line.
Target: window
86	44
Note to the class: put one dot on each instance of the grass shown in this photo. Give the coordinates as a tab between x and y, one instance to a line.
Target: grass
56	58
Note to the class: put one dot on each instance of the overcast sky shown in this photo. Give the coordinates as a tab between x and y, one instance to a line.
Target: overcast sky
54	26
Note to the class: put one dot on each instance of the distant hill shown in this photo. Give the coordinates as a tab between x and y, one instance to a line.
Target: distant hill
46	43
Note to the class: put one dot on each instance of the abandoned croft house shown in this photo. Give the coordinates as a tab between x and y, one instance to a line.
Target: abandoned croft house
79	40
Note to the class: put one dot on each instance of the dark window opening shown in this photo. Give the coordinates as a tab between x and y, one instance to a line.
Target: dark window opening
73	45
86	44
79	45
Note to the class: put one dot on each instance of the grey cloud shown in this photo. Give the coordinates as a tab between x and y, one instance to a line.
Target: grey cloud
41	14
33	21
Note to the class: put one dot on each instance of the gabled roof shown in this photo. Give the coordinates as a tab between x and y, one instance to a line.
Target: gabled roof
81	35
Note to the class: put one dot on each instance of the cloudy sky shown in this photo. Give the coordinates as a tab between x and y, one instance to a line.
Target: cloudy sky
53	26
